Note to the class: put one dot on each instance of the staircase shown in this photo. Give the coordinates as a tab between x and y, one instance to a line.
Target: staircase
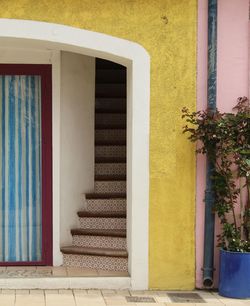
100	241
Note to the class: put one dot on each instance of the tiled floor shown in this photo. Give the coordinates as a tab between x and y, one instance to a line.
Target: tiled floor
20	272
98	297
105	297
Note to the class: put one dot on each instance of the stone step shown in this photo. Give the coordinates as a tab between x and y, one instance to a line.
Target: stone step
110	126
114	186
105	195
110	90
103	214
110	160
102	219
103	223
105	263
99	241
112	134
109	118
110	151
95	258
105	64
106	204
109	111
110	177
118	104
109	252
96	232
110	169
116	142
110	76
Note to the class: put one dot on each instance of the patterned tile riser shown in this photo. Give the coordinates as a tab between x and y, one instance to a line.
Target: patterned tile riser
106	89
110	135
106	205
110	187
109	103
110	118
103	223
96	262
110	151
110	169
100	242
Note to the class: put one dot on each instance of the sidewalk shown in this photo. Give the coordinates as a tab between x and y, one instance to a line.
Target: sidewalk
112	298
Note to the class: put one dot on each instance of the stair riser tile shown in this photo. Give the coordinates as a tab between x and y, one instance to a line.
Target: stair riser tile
96	262
102	119
109	103
110	169
110	151
103	223
110	187
106	204
110	135
111	76
100	242
113	90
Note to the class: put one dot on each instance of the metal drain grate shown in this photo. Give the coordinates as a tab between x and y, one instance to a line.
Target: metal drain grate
186	298
139	299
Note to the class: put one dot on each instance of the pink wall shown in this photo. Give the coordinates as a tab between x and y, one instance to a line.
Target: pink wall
232	55
232	82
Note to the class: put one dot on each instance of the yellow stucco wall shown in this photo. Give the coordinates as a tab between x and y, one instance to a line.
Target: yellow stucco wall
167	30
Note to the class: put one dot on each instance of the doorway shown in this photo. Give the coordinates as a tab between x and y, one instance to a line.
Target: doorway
25	165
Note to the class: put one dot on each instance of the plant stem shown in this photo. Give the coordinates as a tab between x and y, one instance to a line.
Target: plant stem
230	196
248	192
241	211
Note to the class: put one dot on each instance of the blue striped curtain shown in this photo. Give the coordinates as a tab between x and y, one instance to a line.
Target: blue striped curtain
20	168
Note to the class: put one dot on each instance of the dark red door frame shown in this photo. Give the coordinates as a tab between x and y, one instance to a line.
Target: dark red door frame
45	72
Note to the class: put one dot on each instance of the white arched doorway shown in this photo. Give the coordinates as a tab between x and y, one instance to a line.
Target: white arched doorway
33	35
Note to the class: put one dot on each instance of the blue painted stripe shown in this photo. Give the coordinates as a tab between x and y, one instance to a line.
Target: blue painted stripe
39	183
12	174
3	167
20	195
27	163
34	174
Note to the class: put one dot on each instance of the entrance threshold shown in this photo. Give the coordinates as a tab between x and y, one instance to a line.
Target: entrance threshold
62	278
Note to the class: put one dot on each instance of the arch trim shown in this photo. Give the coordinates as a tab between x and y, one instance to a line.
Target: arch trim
55	37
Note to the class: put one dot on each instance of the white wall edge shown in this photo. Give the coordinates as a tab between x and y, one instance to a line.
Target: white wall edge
59	37
56	151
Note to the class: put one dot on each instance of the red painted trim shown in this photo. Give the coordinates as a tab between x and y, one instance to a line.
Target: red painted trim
45	71
23	263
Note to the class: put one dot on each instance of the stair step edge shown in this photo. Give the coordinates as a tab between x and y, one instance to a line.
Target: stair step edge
110	160
106	233
110	127
106	111
110	143
105	196
110	178
101	214
74	250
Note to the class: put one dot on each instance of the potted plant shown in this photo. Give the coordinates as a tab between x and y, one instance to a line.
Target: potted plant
225	139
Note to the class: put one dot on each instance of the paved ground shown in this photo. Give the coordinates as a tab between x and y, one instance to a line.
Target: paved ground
110	297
